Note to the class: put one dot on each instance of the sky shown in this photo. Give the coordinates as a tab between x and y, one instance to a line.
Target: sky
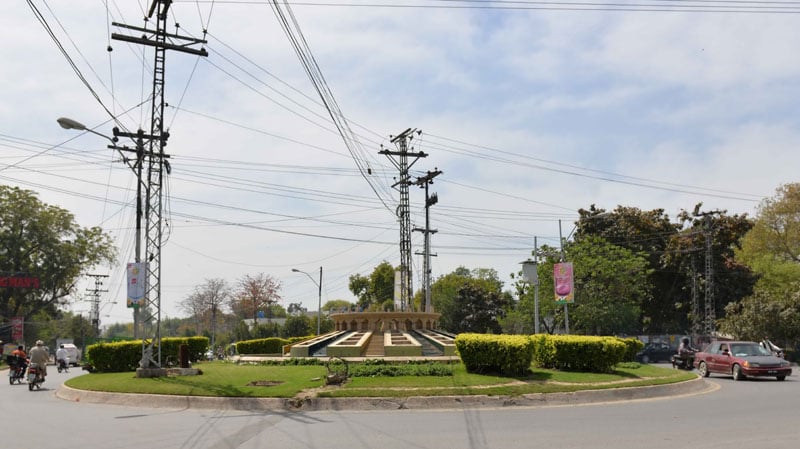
531	112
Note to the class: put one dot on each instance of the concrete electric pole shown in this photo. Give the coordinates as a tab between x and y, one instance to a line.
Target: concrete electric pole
430	200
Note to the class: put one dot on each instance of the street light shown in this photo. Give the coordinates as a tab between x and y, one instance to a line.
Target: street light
68	123
530	274
319	287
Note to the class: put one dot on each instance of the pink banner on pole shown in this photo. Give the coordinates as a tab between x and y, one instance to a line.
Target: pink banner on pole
564	283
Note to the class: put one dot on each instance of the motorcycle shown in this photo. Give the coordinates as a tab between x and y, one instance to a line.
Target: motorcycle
683	361
35	377
63	366
16	366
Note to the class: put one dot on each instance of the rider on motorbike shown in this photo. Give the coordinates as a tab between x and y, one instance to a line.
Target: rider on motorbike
22	358
685	348
62	358
40	357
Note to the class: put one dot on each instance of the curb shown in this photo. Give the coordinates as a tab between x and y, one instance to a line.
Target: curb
694	386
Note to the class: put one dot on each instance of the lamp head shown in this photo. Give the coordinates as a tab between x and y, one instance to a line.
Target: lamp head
68	123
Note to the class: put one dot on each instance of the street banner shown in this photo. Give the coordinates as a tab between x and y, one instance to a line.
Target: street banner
564	283
136	284
17	329
398	293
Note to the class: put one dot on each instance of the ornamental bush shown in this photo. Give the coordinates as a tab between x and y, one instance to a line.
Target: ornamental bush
125	355
503	354
272	345
632	346
579	353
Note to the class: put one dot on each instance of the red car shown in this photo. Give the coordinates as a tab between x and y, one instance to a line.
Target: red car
740	359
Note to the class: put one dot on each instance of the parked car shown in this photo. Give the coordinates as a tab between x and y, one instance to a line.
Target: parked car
740	359
655	352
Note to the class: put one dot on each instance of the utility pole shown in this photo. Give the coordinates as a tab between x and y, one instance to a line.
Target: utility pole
566	309
95	292
430	200
403	214
151	147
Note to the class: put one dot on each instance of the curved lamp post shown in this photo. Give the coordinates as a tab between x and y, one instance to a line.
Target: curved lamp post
319	287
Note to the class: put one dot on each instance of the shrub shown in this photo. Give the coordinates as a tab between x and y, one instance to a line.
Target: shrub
504	354
272	345
632	346
125	355
579	353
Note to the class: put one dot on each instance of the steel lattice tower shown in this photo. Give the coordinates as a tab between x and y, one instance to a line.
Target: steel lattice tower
403	209
710	309
153	152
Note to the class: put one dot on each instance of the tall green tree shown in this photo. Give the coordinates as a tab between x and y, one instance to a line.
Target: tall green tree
647	233
611	284
686	254
446	289
376	291
44	241
772	249
478	310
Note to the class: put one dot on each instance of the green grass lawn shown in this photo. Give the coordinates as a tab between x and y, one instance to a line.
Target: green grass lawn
230	380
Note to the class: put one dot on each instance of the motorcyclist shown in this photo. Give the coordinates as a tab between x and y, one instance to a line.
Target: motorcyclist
62	357
685	349
22	358
40	357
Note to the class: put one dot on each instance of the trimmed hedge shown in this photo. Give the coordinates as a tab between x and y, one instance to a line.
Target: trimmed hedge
579	353
125	355
504	354
632	346
272	345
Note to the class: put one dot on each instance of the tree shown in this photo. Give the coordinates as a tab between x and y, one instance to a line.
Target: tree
611	283
297	326
772	249
445	291
45	242
686	253
374	291
336	305
205	302
255	293
296	308
649	234
478	310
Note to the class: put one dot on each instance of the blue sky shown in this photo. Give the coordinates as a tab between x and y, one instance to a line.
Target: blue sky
529	114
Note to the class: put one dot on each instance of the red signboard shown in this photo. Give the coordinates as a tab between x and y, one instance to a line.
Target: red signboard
17	326
19	282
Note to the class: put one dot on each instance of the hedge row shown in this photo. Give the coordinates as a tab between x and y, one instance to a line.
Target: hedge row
272	345
514	354
579	353
505	354
125	355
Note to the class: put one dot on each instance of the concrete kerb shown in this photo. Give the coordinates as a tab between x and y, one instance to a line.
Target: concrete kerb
694	386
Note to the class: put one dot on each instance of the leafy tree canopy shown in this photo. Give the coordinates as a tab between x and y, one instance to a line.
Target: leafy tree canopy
376	289
44	241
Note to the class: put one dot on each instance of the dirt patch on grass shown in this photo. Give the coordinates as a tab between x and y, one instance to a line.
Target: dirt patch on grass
264	383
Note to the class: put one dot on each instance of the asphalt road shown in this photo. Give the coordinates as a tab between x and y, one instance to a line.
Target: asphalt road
751	413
